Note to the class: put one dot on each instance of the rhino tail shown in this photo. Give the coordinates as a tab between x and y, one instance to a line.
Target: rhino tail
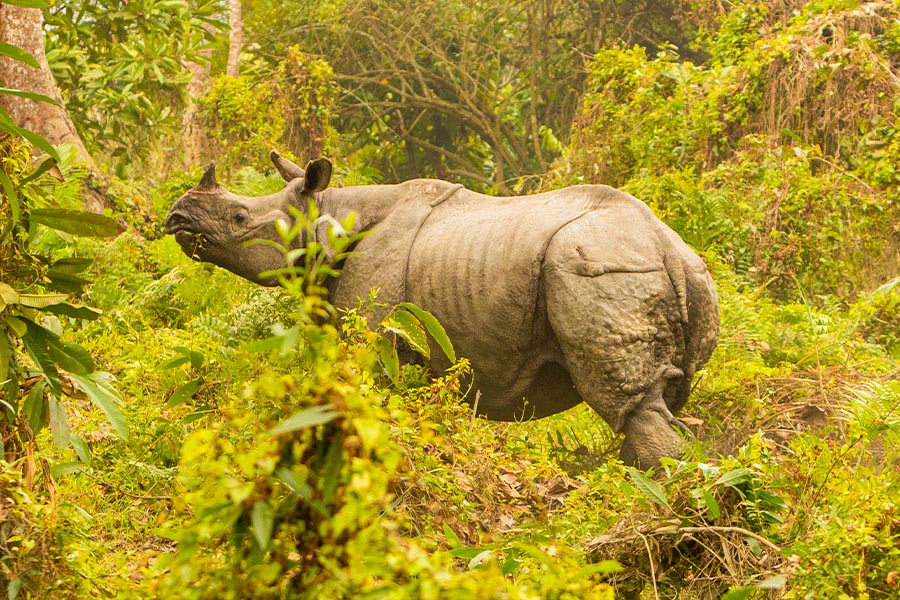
675	268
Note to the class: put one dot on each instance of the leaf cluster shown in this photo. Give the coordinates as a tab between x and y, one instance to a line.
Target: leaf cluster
120	68
38	368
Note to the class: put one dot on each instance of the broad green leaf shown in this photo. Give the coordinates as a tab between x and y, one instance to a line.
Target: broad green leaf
35	408
184	393
262	517
45	166
712	507
66	468
76	222
12	197
734	477
389	359
287	477
104	396
510	565
648	487
173	363
5	353
8	295
71	357
309	417
65	282
451	536
36	140
36	341
433	326
59	423
81	449
16	325
14	586
774	582
196	359
76	312
28	3
741	593
41	300
331	472
29	95
72	265
18	54
191	417
406	325
466	552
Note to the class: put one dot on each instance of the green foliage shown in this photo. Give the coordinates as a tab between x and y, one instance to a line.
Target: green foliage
288	106
34	292
846	522
32	563
776	154
40	335
120	66
470	91
879	317
270	454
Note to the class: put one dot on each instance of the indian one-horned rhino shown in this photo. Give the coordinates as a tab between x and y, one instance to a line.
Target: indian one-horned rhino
579	294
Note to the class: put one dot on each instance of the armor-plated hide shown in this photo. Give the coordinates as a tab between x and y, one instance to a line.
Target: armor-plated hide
580	294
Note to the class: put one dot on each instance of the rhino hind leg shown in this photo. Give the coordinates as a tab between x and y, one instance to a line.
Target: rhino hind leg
623	342
650	430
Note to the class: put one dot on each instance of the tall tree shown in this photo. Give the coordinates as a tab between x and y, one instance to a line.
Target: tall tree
481	91
194	137
23	28
235	38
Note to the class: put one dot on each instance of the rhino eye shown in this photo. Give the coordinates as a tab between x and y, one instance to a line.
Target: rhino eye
240	218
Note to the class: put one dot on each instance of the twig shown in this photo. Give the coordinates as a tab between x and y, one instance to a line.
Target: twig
649	557
730	529
120	490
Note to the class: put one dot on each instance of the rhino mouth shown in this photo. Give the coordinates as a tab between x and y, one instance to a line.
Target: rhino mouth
191	242
187	236
178	223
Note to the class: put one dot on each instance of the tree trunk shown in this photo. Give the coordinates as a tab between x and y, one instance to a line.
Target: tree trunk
23	28
235	39
195	139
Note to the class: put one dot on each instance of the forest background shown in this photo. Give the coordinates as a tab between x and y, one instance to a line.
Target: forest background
171	431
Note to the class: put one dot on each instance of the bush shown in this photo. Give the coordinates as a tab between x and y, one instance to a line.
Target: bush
32	560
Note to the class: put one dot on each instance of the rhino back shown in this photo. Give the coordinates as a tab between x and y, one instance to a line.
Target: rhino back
476	264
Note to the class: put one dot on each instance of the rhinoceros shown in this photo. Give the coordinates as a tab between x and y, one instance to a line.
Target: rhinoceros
576	295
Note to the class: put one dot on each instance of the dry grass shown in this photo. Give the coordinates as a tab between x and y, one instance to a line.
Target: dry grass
831	78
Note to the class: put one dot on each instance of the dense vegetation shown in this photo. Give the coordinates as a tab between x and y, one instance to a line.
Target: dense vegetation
171	431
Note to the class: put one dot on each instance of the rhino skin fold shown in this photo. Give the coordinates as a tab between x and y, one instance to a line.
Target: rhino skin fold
576	295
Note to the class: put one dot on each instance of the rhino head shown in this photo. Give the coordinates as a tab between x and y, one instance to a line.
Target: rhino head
214	225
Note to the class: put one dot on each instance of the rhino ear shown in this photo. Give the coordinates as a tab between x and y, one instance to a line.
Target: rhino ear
288	170
208	181
317	176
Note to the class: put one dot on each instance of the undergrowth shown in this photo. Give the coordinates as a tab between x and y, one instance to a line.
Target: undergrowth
270	455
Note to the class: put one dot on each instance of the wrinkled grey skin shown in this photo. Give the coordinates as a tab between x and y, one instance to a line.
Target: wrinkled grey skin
576	295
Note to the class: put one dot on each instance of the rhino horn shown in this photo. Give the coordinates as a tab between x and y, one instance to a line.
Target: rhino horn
286	168
208	181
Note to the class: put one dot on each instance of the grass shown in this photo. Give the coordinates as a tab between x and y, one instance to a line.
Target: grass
795	401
